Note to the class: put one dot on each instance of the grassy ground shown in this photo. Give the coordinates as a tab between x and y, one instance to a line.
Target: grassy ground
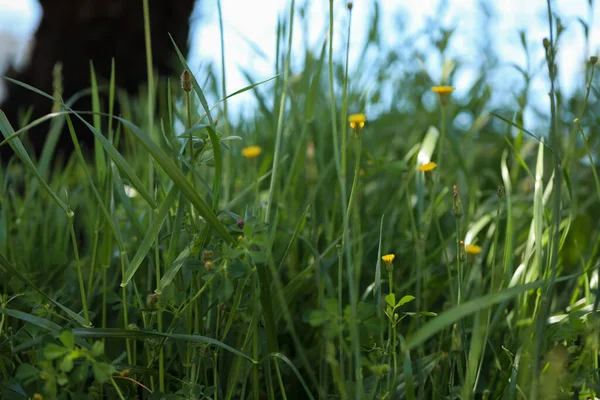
331	261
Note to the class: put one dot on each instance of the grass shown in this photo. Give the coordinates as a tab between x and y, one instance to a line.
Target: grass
170	264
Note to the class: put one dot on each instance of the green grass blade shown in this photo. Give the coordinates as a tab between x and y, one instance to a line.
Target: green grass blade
147	242
17	146
170	274
447	318
6	266
32	319
296	372
179	179
114	333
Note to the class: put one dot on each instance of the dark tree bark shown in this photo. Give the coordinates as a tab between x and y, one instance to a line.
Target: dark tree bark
77	31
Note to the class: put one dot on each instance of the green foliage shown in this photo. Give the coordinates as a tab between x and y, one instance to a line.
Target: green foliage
171	265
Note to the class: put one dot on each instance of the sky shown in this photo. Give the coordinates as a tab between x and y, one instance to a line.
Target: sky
253	23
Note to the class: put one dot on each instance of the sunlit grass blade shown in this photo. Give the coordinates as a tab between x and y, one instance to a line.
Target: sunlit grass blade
447	318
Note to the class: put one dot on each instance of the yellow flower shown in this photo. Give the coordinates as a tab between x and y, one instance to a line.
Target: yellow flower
443	93
388	258
442	89
37	396
357	121
473	249
430	166
251	152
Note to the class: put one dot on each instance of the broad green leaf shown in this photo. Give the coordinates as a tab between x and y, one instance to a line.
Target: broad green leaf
102	371
66	364
53	351
404	300
67	339
391	299
317	317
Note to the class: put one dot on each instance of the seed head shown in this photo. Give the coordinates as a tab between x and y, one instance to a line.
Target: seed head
186	81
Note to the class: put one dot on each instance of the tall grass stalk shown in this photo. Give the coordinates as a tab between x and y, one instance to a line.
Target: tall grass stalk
280	121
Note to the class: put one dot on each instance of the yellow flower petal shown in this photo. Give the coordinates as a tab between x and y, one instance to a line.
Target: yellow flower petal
473	249
357	120
388	258
442	89
251	152
430	166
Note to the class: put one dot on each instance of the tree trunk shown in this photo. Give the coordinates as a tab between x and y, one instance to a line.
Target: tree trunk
74	32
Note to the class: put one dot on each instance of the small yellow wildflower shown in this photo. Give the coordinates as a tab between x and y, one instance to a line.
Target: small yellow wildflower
430	166
443	93
388	258
442	89
251	152
38	396
473	249
357	121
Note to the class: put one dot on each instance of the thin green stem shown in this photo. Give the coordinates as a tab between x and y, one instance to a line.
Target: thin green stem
79	273
443	129
344	127
280	122
352	289
161	357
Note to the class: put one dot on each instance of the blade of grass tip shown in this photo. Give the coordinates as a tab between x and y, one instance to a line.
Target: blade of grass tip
377	289
111	100
116	333
146	244
56	125
32	319
17	146
475	350
7	266
449	317
509	230
299	227
514	374
170	274
296	372
179	179
409	378
262	104
98	153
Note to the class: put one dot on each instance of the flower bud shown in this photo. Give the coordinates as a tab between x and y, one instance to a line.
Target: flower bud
457	208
